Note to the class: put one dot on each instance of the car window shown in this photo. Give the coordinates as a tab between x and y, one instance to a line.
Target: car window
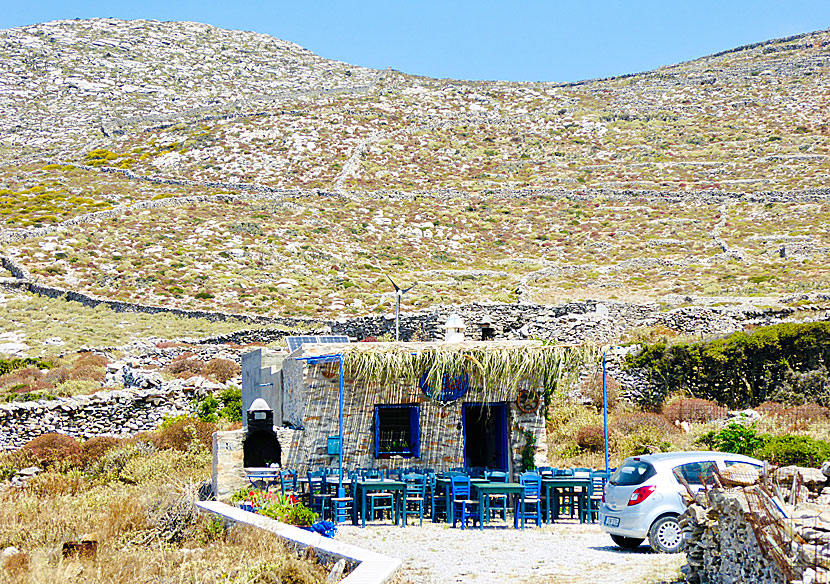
734	462
632	472
696	473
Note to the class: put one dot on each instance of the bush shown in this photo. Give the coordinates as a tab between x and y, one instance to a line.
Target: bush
52	448
745	368
185	367
692	410
179	432
222	369
591	388
228	406
736	438
798	450
93	449
632	422
591	438
231	399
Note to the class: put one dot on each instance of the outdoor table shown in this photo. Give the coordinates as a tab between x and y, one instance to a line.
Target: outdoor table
485	489
267	475
557	486
363	487
443	484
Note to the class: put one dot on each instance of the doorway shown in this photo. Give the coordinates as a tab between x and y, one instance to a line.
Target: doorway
485	435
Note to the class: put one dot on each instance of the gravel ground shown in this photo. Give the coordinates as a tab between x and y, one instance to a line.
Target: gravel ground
563	553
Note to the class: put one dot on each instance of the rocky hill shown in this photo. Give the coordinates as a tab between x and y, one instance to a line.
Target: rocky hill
184	166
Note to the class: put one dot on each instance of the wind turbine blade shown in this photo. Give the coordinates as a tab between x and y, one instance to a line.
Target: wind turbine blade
410	288
393	283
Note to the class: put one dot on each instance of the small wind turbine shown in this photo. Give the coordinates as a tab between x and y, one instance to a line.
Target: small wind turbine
398	294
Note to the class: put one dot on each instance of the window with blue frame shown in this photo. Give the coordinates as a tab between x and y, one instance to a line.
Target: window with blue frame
398	431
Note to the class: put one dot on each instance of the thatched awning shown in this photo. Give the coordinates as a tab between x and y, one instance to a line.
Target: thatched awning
488	363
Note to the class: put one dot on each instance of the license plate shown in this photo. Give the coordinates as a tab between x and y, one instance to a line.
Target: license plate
612	521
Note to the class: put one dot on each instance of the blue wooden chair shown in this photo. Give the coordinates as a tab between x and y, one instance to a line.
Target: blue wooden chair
598	480
438	506
464	507
319	499
378	501
288	482
498	501
530	506
414	495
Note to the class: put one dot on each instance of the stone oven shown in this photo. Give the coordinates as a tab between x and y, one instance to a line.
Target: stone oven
260	446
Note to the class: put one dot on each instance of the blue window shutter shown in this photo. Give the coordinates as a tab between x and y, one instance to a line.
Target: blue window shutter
377	432
415	431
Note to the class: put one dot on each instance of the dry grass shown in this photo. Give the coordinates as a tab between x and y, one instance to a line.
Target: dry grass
138	504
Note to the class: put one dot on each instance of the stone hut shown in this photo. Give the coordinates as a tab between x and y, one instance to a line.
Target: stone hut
437	422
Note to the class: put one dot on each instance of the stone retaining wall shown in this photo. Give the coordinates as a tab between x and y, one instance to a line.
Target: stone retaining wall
113	413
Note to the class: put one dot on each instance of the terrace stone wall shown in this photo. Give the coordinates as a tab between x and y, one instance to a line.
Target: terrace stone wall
113	413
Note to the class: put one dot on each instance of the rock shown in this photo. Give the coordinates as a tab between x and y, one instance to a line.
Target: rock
9	552
29	471
739	475
336	572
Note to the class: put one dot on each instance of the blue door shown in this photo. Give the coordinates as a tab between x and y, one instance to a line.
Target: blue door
485	435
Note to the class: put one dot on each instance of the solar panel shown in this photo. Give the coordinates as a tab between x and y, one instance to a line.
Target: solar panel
294	343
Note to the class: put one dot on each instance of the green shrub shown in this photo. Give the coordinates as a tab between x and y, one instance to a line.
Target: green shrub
743	369
799	450
228	406
736	438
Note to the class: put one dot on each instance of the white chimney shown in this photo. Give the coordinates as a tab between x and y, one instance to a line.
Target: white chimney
454	329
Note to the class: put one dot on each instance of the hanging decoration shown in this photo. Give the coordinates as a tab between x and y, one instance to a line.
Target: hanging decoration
452	387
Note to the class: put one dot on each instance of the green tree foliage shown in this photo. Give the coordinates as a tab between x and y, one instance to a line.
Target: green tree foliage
743	369
227	406
735	437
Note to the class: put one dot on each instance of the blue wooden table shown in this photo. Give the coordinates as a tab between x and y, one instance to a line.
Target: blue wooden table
442	488
557	487
363	487
485	489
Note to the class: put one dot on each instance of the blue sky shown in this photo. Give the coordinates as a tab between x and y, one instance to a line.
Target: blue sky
517	41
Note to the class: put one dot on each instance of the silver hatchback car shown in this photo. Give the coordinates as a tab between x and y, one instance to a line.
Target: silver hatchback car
643	497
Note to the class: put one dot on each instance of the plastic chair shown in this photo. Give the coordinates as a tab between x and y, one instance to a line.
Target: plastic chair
532	498
498	501
464	507
413	497
319	499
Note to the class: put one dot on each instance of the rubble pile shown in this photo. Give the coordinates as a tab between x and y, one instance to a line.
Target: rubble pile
775	530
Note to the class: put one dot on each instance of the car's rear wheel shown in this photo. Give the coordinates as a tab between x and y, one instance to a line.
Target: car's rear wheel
628	543
665	535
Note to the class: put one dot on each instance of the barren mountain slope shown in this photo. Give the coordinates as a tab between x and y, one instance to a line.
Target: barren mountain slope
244	173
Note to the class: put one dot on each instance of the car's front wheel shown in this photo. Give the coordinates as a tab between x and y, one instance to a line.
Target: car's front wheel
665	535
628	543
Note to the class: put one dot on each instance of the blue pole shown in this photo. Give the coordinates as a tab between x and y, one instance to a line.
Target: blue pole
340	491
605	410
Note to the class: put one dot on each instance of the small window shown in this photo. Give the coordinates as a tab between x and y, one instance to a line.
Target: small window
633	472
696	473
397	431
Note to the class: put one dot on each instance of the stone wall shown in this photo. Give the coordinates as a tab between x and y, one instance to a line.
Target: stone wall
771	532
113	413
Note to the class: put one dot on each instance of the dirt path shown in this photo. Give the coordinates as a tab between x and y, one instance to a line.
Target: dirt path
564	553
